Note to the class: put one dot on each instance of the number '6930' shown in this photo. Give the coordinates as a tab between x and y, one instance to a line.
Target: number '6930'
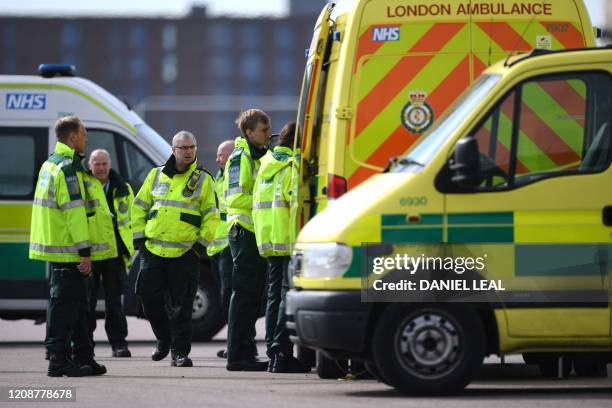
420	200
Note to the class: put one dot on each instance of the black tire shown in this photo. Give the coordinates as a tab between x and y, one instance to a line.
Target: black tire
429	350
207	316
329	369
306	355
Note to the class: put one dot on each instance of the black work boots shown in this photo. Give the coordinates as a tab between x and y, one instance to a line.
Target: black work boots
288	364
60	365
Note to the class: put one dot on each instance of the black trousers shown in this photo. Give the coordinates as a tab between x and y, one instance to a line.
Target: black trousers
248	281
112	272
68	312
167	288
277	335
222	264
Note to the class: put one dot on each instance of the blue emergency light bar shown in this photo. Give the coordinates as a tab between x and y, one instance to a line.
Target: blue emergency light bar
53	70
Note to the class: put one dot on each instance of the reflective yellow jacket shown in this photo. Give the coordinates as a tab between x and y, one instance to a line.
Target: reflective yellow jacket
240	173
59	231
102	221
175	212
271	203
220	241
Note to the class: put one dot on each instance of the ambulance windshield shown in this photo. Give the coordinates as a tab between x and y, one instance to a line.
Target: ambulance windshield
425	150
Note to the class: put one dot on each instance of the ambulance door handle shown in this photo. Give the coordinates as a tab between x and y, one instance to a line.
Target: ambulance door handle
607	215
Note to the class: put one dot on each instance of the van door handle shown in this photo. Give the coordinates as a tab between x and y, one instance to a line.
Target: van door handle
607	215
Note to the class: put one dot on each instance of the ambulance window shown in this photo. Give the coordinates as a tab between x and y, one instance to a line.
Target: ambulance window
20	160
548	126
137	165
102	139
494	139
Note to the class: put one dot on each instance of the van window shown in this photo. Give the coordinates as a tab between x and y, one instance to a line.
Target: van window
137	165
549	126
102	139
21	154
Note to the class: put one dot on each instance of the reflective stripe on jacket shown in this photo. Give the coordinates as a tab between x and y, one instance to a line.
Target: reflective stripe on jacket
59	231
220	241
175	211
271	204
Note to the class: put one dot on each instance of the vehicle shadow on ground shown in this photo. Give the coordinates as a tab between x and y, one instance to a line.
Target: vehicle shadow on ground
500	380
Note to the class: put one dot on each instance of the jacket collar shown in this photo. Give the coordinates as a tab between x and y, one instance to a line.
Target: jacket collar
255	152
170	167
66	151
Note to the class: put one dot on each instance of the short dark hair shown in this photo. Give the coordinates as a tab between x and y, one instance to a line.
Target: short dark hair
65	126
287	135
250	118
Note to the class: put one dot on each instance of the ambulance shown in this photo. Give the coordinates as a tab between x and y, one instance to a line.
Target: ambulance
29	106
381	73
512	187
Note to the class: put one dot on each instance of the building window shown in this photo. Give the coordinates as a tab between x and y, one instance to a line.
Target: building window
284	36
70	35
169	34
220	34
285	68
116	39
71	57
138	68
169	68
250	36
219	66
8	34
138	36
252	89
250	68
8	64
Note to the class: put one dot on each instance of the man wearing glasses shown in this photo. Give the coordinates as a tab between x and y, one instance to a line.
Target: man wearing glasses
174	217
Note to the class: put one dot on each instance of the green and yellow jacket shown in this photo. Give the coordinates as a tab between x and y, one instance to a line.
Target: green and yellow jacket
110	224
240	173
175	211
271	204
59	229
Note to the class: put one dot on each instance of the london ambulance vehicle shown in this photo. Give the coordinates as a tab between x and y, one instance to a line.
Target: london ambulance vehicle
29	107
380	73
491	236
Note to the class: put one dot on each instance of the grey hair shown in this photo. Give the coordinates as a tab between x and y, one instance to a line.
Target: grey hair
183	134
101	151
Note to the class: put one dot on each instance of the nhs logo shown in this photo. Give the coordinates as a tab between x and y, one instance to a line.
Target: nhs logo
26	101
385	34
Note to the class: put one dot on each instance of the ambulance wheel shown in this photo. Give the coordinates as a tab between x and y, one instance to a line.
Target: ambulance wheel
206	315
306	355
328	368
422	350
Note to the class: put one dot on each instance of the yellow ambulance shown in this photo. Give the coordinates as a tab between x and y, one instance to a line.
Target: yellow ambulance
380	73
515	177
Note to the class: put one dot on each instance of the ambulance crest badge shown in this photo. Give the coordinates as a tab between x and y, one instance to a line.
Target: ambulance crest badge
417	115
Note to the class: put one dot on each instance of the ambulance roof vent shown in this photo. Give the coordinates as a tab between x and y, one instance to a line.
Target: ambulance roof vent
53	70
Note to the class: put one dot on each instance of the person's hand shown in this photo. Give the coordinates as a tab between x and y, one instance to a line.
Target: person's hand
85	266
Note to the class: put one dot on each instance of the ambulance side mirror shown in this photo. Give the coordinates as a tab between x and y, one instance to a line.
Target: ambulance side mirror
465	164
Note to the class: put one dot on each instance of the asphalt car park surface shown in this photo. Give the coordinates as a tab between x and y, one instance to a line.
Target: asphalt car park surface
138	381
